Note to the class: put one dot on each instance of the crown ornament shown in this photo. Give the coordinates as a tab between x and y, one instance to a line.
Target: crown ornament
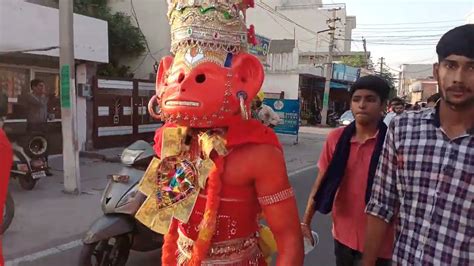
210	25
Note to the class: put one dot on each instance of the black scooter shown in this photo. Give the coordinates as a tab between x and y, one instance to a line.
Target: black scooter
27	169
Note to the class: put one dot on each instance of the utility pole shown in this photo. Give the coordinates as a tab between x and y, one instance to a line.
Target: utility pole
366	59
68	98
327	85
381	64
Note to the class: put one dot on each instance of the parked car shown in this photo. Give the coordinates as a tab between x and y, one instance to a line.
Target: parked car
346	118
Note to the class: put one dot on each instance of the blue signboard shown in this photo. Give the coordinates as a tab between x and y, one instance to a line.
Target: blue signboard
345	73
289	112
261	49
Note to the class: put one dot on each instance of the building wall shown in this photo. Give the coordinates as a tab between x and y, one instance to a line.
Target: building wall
25	26
421	90
154	24
412	73
305	13
351	24
278	82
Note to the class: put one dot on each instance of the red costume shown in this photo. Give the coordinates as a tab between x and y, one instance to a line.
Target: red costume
218	171
6	158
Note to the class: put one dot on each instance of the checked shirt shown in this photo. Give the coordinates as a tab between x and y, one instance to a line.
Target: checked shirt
427	180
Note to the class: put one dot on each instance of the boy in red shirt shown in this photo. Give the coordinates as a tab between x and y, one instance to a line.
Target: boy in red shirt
346	169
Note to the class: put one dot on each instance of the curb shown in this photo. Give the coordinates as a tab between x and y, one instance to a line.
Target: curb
97	155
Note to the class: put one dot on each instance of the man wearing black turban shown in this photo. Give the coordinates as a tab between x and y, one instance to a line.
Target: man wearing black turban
425	176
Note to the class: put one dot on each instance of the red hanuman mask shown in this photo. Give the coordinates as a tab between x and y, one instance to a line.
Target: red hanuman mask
211	79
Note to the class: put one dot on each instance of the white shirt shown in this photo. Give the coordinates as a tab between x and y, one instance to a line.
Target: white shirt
388	118
268	116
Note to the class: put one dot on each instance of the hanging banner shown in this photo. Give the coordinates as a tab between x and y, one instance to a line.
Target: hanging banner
65	87
261	49
289	112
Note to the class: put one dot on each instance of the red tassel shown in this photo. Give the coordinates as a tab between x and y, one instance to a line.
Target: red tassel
170	246
248	3
251	35
214	183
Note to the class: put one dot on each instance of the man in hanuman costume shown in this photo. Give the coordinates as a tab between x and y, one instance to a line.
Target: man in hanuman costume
217	172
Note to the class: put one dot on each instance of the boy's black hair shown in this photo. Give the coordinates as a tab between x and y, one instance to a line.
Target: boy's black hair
373	83
397	101
35	82
458	41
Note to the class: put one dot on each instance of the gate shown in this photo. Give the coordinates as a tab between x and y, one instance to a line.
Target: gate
120	112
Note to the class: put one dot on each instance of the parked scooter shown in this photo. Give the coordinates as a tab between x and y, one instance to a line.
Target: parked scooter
333	119
112	236
8	213
27	169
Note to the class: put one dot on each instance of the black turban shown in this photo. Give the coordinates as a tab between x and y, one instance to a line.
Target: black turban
458	41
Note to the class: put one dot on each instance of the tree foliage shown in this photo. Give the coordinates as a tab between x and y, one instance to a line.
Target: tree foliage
354	60
124	37
390	78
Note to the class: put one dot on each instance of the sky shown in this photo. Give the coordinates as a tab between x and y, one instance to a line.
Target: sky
424	22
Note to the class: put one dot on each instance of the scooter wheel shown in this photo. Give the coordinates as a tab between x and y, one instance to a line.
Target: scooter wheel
113	251
8	213
27	182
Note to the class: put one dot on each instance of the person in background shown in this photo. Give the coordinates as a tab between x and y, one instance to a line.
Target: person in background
37	105
263	112
6	159
424	179
432	100
3	106
346	169
397	107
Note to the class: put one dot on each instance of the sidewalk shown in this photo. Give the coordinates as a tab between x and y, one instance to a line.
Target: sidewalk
46	217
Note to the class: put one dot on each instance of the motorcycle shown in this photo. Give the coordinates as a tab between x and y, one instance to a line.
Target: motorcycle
332	119
26	169
111	237
8	213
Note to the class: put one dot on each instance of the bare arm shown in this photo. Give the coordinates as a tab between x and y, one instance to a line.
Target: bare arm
309	212
282	216
378	230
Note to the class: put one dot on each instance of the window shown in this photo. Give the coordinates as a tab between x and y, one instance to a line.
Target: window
14	82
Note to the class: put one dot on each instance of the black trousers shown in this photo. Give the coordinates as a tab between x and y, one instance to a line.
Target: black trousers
345	256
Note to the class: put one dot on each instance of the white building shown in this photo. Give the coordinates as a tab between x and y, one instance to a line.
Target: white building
153	22
29	49
302	20
411	73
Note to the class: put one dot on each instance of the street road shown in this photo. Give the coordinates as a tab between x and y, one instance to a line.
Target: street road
302	182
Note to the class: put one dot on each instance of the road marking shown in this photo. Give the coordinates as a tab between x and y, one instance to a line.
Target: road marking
301	170
44	253
77	243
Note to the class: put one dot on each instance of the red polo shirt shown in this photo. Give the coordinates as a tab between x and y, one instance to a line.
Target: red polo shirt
6	158
349	218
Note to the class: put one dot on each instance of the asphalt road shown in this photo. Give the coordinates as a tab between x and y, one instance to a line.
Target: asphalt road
302	182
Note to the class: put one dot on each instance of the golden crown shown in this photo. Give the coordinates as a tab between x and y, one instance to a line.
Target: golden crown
208	24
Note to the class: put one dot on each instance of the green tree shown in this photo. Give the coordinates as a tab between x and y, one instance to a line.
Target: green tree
124	37
390	78
354	60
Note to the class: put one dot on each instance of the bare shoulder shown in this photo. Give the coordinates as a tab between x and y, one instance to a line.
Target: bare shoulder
247	163
258	152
